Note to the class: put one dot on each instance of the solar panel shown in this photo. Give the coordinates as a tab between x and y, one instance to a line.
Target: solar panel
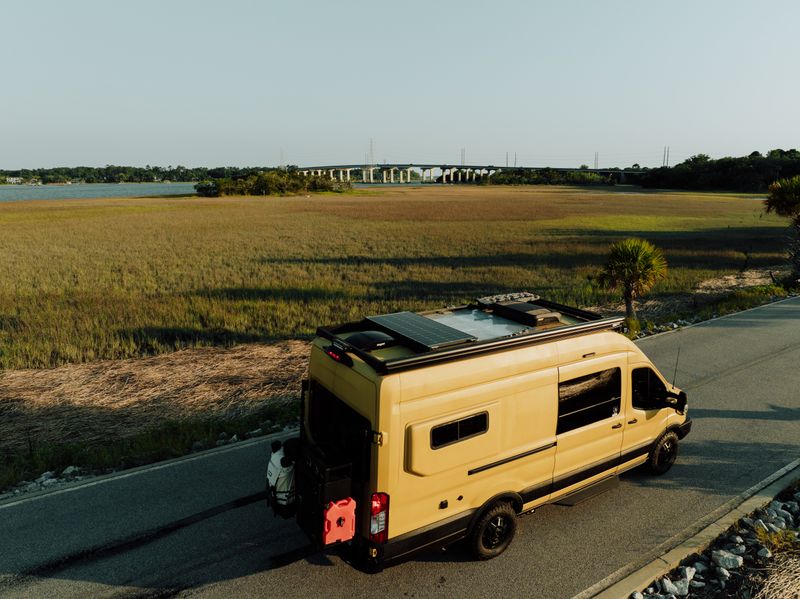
421	330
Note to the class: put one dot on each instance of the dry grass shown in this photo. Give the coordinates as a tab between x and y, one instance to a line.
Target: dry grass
106	400
782	580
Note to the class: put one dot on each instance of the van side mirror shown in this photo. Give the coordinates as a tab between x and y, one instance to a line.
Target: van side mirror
677	401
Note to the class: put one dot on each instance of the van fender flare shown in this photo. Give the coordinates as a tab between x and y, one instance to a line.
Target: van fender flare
515	499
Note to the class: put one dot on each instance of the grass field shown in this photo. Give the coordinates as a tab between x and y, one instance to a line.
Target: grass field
87	279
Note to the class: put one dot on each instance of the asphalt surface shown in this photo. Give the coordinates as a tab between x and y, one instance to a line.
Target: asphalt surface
199	528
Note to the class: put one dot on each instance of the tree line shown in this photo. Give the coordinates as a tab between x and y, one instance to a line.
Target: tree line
269	182
752	173
546	176
127	174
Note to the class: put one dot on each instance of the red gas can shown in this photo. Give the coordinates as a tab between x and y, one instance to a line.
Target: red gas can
340	521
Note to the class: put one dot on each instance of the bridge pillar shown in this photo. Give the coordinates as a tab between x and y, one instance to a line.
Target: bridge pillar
408	175
458	172
391	175
444	174
384	175
399	172
331	171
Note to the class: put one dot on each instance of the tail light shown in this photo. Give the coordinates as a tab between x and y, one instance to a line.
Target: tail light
379	518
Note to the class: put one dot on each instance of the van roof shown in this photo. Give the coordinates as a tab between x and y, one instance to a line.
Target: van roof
405	340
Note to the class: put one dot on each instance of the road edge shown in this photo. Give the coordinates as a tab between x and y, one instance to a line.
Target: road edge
637	575
105	478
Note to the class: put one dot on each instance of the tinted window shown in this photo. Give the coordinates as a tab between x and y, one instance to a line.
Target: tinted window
588	399
647	389
445	434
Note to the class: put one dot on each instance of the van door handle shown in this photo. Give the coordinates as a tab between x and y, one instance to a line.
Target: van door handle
634	421
617	425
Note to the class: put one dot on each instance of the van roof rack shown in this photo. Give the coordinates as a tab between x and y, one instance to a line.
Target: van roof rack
488	324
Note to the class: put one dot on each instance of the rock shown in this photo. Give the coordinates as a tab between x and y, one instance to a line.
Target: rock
223	436
764	553
748	522
255	433
686	572
221	442
759	525
775	505
696	584
784	514
70	470
45	476
736	539
738	549
668	587
792	507
198	446
233	439
700	567
723	574
637	595
682	586
50	482
649	590
726	559
772	527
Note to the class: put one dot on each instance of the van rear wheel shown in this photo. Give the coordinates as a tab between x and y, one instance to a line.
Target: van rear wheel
493	532
663	454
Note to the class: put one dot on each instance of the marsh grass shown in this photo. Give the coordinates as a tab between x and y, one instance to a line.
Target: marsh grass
82	280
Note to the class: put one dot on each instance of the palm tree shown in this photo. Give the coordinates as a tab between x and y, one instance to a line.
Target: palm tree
784	200
634	265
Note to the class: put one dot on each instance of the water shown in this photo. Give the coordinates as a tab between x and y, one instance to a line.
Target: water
15	193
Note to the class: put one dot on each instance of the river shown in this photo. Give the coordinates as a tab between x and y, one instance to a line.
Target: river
15	193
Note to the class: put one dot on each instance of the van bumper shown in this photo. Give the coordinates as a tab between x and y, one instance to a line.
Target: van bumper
438	534
685	428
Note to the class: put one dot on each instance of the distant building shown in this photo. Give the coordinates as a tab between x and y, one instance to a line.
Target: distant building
14	180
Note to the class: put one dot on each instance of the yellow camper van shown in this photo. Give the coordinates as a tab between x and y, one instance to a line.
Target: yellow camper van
420	429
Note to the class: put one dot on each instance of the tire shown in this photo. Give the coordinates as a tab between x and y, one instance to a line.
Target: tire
663	454
493	532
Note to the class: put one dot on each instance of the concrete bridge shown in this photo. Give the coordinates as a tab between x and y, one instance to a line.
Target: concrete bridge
432	173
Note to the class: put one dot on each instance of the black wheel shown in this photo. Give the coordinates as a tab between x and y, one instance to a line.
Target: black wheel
663	454
494	531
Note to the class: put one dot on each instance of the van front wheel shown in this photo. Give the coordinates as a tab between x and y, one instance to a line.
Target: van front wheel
663	454
494	531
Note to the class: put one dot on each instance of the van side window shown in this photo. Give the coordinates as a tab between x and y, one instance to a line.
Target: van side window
451	432
647	389
588	399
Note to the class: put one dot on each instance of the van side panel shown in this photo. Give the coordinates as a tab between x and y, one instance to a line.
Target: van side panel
518	394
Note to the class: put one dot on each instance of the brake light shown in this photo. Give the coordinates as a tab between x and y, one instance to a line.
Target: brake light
339	354
379	518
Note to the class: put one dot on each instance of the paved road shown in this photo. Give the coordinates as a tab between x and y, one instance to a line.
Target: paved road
197	528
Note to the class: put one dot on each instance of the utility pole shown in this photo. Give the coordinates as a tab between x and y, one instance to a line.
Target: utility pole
506	159
667	156
515	160
596	160
371	152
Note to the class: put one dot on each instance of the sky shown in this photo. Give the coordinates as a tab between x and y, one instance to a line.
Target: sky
246	82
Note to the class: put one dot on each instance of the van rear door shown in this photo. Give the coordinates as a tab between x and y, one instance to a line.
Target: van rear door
590	422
